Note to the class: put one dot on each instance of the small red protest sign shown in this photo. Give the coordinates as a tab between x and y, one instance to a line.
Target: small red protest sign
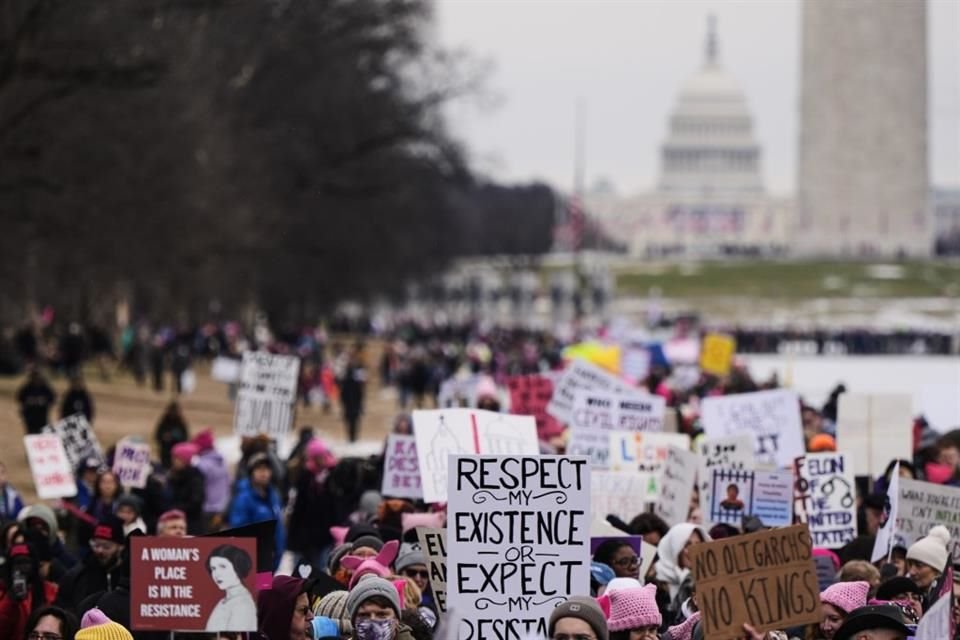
193	584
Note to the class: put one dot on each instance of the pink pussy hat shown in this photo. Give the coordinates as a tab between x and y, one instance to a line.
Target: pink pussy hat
846	596
633	608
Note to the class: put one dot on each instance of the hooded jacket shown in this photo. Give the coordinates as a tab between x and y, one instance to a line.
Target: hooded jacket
216	480
275	607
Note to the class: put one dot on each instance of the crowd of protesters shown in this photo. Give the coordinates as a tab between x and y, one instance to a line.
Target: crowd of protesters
66	571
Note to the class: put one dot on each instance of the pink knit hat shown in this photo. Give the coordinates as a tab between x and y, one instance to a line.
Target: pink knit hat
184	451
683	631
632	608
846	596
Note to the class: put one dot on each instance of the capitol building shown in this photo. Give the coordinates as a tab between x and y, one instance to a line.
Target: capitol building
710	199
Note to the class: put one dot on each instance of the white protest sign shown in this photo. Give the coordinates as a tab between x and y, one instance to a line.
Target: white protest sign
441	433
79	440
767	495
131	463
225	370
580	376
518	541
732	452
874	429
267	395
936	622
645	452
597	413
676	486
624	495
771	418
884	541
52	473
433	543
923	505
825	498
401	470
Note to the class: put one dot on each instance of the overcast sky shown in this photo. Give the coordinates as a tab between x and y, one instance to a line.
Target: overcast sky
627	60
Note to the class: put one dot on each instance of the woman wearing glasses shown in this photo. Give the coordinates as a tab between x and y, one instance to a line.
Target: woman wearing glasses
50	623
619	556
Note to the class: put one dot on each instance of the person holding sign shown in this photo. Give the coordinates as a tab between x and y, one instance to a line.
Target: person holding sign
228	565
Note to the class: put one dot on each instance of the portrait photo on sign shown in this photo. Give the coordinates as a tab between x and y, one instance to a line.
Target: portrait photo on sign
229	566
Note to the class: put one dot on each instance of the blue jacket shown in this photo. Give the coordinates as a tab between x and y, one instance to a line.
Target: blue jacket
249	507
10	503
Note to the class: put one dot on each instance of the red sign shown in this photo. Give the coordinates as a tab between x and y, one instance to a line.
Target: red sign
193	584
529	396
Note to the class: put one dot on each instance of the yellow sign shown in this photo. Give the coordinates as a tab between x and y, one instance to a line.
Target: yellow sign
716	354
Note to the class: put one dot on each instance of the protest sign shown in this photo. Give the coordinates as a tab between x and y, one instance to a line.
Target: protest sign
771	418
635	361
923	505
79	440
131	463
884	541
873	429
444	432
225	370
622	494
518	541
765	579
529	396
264	532
676	485
826	571
580	376
267	395
433	543
401	470
598	413
825	498
767	495
716	354
52	473
731	452
193	584
937	622
645	452
458	392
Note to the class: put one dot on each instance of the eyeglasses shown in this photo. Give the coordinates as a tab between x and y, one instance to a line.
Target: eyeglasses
304	611
43	635
413	573
575	636
627	562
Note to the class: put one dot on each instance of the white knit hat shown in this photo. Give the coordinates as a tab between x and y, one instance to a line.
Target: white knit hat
931	550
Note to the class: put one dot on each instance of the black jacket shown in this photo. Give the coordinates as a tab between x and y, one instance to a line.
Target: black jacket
84	580
187	492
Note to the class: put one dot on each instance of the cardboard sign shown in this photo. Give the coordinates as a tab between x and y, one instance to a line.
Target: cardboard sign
580	376
529	396
401	470
874	429
923	505
676	488
767	495
825	498
131	463
716	354
624	495
52	473
267	395
733	452
193	584
771	418
79	440
644	452
766	579
433	542
937	622
596	414
518	541
445	432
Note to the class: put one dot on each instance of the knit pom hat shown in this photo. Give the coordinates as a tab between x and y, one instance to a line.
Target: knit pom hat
581	608
846	596
632	608
97	626
931	550
684	630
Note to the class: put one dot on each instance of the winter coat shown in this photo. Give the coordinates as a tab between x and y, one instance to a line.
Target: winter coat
216	480
187	494
77	401
250	506
14	613
10	503
84	579
311	517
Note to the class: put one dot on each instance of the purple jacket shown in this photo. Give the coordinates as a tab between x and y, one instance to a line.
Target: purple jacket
216	480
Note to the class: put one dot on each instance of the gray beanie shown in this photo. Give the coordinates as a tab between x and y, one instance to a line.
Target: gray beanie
410	554
333	562
582	608
368	587
368	541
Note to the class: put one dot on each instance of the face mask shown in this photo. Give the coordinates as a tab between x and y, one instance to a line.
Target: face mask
374	630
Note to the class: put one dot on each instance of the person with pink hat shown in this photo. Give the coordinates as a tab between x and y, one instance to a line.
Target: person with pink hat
186	486
216	478
634	614
837	601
